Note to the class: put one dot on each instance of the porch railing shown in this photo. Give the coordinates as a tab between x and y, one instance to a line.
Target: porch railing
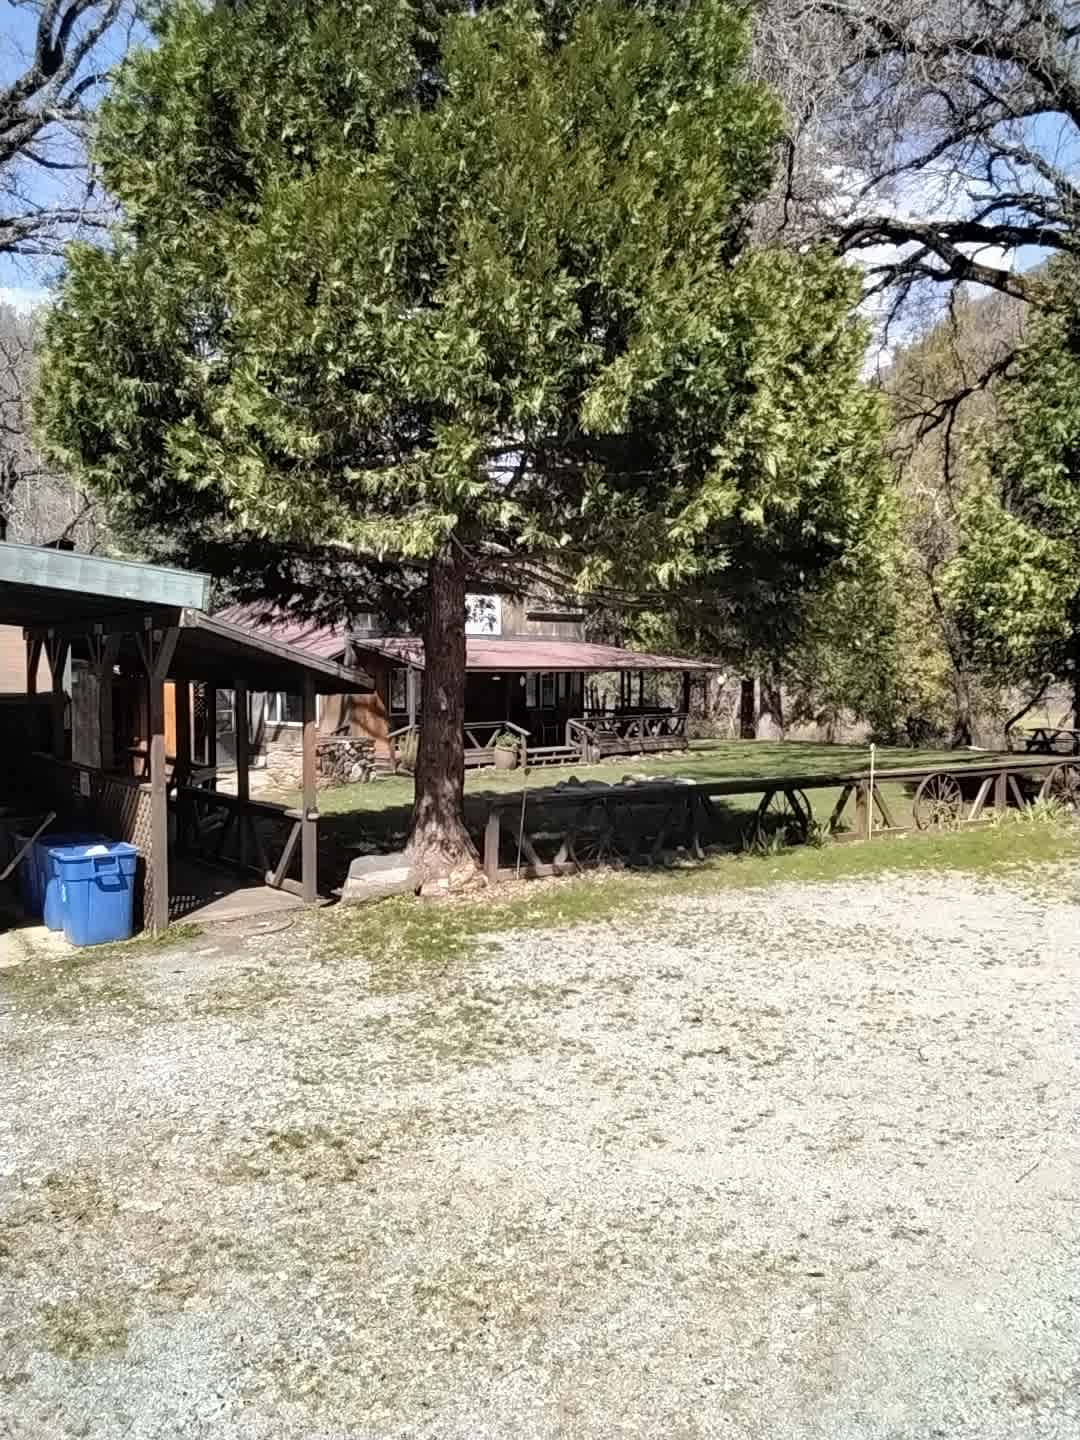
480	737
248	835
620	734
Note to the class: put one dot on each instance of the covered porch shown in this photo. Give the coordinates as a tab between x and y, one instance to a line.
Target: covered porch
562	701
128	624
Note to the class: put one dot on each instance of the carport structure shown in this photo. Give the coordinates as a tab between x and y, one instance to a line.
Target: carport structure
120	617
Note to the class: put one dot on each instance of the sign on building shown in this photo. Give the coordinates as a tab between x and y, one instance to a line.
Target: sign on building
483	614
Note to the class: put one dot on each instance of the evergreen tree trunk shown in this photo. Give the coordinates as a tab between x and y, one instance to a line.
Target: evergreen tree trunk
748	709
439	843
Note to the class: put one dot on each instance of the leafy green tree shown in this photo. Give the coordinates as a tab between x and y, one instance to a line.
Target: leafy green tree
1015	582
439	296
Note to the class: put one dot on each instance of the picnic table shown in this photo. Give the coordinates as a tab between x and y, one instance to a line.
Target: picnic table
1048	740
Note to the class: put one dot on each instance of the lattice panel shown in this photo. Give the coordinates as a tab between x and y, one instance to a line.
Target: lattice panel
122	810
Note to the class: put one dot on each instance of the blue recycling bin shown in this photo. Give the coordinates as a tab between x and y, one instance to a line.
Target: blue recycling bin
97	884
48	878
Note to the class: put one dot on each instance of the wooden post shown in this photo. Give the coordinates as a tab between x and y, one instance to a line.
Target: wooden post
242	731
1001	792
242	725
641	689
157	648
686	692
34	646
159	810
183	731
309	846
862	810
211	727
59	650
491	845
410	693
103	652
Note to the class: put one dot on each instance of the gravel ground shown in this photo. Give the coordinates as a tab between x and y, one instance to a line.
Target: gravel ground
798	1162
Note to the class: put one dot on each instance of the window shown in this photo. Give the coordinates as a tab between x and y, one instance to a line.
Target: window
547	692
283	709
577	690
532	691
399	695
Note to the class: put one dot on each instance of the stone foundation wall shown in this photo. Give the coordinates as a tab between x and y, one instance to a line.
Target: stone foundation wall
340	760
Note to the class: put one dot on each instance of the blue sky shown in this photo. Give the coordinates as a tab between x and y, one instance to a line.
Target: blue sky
24	281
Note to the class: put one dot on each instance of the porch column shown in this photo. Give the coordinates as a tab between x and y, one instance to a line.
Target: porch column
157	648
58	649
410	693
686	692
309	836
241	728
210	693
34	646
641	689
241	725
182	692
103	652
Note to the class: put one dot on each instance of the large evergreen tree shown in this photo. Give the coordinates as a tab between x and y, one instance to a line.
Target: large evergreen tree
436	296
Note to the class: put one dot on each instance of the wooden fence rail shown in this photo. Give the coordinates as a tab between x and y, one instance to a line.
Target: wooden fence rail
558	832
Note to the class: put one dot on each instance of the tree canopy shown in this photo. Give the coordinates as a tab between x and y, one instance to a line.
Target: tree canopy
1016	579
443	297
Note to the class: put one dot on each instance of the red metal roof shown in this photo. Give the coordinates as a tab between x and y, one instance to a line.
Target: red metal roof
484	654
525	652
327	641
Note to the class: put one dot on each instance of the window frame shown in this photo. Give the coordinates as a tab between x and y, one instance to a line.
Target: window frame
275	712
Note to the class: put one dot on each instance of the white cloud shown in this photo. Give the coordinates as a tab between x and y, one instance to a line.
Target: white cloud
23	298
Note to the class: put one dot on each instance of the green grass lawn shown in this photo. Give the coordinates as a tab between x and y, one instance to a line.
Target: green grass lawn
377	814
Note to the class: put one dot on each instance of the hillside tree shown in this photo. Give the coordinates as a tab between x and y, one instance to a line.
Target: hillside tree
1015	580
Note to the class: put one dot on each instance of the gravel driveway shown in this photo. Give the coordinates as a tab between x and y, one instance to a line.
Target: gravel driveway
798	1162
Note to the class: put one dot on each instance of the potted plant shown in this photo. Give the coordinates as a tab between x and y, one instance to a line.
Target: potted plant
507	746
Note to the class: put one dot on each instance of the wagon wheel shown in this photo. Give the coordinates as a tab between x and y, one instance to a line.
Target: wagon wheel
596	843
939	803
1062	787
782	812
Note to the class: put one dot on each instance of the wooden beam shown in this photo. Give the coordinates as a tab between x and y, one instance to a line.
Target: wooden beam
410	693
309	851
276	878
130	622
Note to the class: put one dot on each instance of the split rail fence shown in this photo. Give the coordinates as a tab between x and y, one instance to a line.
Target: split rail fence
558	832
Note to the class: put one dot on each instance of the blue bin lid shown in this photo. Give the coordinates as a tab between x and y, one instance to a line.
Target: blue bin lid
91	850
72	837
